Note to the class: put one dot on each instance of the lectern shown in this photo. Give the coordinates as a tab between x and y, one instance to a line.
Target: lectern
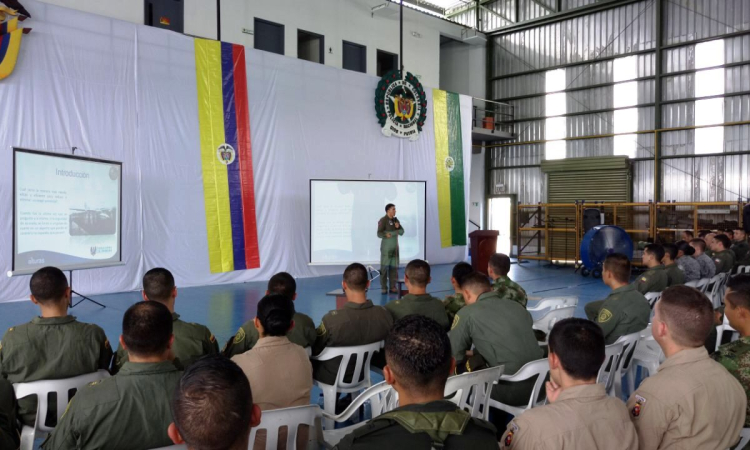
483	245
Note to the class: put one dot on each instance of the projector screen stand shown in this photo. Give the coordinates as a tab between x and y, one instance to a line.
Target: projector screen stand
83	297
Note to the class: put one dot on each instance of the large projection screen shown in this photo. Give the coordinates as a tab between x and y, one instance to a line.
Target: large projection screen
67	211
344	218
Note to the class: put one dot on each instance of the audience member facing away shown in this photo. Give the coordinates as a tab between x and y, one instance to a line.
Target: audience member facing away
213	407
9	437
692	402
500	330
740	247
418	301
131	409
655	279
453	303
625	310
723	257
498	269
53	345
191	340
675	276
303	333
359	322
687	235
685	261
580	414
735	356
708	268
418	357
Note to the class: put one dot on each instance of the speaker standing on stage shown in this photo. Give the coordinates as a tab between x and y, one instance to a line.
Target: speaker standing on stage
389	229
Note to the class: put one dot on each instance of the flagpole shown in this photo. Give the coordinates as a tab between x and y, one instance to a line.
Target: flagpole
401	39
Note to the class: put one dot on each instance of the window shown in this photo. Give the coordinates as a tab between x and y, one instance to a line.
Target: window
167	14
709	82
709	54
310	46
554	80
354	57
554	150
626	94
386	62
709	111
269	36
625	70
555	106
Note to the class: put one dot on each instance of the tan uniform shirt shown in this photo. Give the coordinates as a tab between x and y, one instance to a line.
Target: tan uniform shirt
693	402
583	417
279	372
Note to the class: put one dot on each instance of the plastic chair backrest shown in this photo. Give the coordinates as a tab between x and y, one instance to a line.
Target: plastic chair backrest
292	418
716	286
63	388
471	391
703	284
547	321
612	354
652	298
538	368
744	437
363	354
553	302
693	284
743	269
629	343
382	398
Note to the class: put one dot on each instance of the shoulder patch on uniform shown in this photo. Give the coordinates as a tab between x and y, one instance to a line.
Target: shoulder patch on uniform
106	343
11	329
639	401
321	330
240	336
333	313
455	321
212	339
509	437
643	279
604	315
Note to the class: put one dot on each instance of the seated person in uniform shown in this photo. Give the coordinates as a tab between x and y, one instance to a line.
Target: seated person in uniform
687	235
580	414
453	303
359	322
675	275
723	257
735	356
626	310
191	340
729	233
303	333
53	345
498	269
741	248
418	301
418	361
279	370
655	278
709	239
685	261
9	437
213	406
708	268
131	409
692	402
500	330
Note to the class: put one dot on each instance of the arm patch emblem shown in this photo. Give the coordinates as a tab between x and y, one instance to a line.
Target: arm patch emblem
455	322
604	315
240	336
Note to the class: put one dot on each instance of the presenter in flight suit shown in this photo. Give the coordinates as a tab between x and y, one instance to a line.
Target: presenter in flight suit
389	229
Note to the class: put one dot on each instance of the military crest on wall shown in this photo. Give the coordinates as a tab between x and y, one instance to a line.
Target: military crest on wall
401	105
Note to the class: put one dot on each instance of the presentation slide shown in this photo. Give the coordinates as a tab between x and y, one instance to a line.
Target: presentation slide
66	212
344	220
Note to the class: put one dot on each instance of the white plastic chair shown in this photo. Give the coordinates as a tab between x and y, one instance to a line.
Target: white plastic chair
652	298
41	389
547	321
703	284
715	289
471	391
744	437
553	302
693	284
612	354
625	361
360	379
538	368
720	329
308	350
382	398
648	355
291	418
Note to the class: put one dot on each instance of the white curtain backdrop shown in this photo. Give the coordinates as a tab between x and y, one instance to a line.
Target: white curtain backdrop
127	92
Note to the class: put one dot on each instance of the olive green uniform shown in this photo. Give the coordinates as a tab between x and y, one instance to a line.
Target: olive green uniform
500	330
724	261
625	311
675	275
354	324
437	424
423	304
654	279
511	290
191	341
453	304
128	411
741	251
9	438
303	334
389	251
51	348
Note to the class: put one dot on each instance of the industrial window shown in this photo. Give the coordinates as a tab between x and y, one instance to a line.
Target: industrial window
625	94
310	46
555	106
354	57
709	111
269	36
386	62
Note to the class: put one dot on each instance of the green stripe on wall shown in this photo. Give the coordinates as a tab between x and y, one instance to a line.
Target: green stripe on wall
455	149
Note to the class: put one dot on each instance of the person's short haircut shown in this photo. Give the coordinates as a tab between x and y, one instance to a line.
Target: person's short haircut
579	344
476	283
703	233
275	313
686	249
389	206
724	240
500	264
729	230
741	230
282	284
158	284
460	271
700	243
740	290
355	276
688	314
619	265
48	285
213	404
656	250
147	328
418	272
689	233
418	351
671	250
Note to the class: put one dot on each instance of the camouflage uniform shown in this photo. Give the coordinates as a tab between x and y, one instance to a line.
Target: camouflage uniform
708	268
735	357
511	290
690	267
453	304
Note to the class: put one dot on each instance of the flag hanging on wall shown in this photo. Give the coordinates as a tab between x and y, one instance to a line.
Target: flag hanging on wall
226	156
449	163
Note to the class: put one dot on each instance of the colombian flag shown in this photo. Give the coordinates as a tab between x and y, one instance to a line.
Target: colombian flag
449	162
10	44
226	156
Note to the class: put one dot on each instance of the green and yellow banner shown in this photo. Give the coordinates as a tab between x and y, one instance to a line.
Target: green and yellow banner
449	163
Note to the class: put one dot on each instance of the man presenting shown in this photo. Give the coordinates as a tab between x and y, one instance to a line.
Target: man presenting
389	229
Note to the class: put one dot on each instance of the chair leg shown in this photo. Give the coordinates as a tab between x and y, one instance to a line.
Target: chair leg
631	378
27	438
329	405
